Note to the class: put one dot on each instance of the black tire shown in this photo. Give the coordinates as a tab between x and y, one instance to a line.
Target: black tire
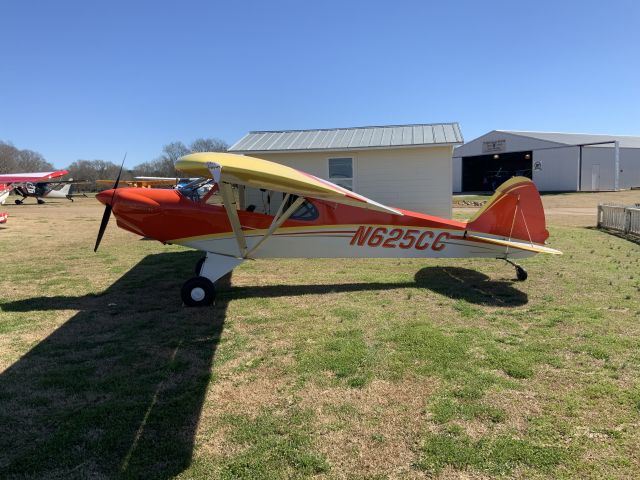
198	292
199	265
40	201
18	202
521	273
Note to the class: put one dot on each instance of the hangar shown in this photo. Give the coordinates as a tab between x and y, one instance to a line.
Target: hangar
405	166
555	161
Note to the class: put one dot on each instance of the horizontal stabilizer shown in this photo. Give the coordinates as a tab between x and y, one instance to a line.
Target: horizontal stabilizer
517	244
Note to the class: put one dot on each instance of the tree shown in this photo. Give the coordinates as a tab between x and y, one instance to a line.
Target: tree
164	166
31	161
8	158
92	170
13	160
209	145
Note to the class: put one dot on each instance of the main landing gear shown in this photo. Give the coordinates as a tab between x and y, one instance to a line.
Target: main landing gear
198	292
18	202
40	201
521	273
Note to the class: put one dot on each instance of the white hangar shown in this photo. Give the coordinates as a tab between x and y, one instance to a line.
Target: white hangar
405	166
555	161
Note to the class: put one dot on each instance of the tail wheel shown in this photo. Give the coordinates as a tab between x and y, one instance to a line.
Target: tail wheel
18	202
198	292
40	201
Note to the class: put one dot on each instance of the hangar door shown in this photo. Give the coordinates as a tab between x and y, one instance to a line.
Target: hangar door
483	173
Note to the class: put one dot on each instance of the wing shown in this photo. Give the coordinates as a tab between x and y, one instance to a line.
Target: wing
31	177
258	173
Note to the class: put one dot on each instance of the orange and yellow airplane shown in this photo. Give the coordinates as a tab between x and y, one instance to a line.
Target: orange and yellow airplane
316	219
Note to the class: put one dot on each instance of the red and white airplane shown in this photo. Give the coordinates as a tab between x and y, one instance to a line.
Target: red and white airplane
316	219
35	184
5	190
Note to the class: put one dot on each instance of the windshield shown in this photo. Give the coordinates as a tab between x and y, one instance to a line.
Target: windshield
307	211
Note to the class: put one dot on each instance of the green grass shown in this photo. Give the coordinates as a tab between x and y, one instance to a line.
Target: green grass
273	446
497	455
317	368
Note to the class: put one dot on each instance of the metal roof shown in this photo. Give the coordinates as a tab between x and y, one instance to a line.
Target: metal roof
357	138
626	141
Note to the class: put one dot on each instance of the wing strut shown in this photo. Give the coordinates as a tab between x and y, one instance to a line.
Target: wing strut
278	220
229	201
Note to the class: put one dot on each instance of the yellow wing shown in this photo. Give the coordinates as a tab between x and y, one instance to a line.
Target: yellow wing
258	173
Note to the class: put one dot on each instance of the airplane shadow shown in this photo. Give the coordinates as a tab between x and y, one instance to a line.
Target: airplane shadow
454	282
117	390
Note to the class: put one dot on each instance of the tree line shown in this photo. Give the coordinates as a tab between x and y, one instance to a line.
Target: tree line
14	160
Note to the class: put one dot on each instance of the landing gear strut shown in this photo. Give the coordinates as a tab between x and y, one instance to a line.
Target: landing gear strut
199	265
521	273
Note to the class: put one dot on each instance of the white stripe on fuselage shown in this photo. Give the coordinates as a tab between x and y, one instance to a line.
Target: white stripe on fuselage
348	241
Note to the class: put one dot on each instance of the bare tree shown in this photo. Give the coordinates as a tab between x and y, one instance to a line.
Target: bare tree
8	158
164	166
209	145
31	161
92	170
154	168
13	160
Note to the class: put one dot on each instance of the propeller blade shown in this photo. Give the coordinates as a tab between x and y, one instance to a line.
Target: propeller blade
107	209
103	226
115	185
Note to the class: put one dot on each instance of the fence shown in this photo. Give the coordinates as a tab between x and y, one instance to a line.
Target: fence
619	218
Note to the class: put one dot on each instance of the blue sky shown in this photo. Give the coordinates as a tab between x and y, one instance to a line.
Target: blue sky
91	80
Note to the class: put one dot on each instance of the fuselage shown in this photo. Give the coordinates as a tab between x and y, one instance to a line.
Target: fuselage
320	229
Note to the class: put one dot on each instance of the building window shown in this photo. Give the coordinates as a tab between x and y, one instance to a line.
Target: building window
341	172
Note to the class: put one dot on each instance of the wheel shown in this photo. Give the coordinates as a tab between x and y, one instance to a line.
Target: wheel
18	202
198	292
40	201
199	265
521	273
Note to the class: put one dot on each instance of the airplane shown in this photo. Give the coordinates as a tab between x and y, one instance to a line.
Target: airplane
5	190
149	182
145	182
36	185
316	219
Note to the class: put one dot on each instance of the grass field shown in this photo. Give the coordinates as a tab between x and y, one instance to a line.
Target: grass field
315	368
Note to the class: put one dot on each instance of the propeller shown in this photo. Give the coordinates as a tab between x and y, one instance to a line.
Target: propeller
108	207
